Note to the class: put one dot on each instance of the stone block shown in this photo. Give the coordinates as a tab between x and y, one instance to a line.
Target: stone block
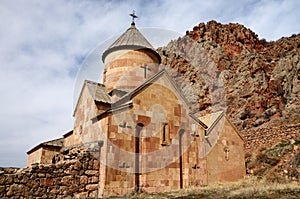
91	163
83	180
2	190
92	173
17	190
81	195
67	180
93	194
96	165
6	179
65	191
46	182
93	179
91	187
54	190
74	188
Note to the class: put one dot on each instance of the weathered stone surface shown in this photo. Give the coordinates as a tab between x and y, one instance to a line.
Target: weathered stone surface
2	190
93	179
77	165
67	180
81	195
96	165
256	76
92	173
51	181
17	190
83	180
267	136
54	190
91	187
93	194
64	190
74	188
273	152
46	182
6	179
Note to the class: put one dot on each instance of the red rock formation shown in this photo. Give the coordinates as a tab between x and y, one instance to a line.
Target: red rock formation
257	82
228	66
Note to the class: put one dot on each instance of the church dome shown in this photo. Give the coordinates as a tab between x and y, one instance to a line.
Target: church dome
131	39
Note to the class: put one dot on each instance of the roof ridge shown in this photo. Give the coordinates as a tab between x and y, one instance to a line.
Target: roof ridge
46	143
98	92
214	118
50	141
131	31
89	83
149	81
141	86
93	82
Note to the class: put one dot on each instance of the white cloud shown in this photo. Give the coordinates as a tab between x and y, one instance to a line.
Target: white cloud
44	42
273	19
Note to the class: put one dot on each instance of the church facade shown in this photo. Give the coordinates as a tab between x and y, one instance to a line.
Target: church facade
148	138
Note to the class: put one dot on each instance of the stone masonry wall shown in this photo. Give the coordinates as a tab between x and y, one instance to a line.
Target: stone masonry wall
74	175
225	161
268	136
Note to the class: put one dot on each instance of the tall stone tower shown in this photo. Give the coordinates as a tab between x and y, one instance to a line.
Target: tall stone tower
129	61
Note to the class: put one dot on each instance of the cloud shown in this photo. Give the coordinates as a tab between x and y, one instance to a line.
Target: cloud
274	19
44	43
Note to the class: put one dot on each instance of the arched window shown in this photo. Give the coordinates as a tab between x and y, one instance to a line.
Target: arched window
138	130
165	134
181	132
226	150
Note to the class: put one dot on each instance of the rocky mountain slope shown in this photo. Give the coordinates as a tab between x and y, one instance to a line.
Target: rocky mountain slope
227	67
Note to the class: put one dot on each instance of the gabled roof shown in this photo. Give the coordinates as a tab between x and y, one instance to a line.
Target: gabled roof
58	143
132	38
68	134
111	110
198	121
125	101
121	90
97	91
148	82
211	119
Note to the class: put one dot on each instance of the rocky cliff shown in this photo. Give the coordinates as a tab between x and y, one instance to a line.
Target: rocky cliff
228	67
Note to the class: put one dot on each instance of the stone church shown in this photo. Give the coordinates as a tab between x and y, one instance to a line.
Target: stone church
142	124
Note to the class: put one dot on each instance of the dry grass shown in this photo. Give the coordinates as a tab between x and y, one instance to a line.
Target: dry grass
250	187
263	189
276	175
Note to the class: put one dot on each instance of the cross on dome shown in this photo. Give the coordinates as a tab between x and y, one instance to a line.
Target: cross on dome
133	16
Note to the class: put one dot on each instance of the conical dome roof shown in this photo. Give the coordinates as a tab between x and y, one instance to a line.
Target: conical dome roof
133	39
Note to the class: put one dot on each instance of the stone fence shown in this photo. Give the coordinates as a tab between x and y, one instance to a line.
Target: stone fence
75	174
268	136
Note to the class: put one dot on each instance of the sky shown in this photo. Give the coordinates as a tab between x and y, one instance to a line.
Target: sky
44	45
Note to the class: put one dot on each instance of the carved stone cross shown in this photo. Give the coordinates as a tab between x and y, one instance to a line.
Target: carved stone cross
145	70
